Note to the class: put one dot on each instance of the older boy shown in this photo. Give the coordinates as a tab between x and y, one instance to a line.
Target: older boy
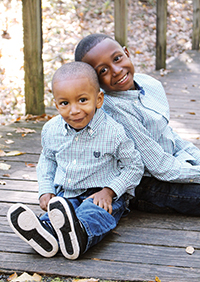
172	165
85	169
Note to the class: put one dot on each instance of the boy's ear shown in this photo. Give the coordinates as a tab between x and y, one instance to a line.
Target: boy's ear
100	99
126	51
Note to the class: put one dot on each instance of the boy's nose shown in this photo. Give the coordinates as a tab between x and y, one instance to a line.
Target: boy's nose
74	109
116	70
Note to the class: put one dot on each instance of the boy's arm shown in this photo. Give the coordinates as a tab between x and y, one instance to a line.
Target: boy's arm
46	170
47	165
159	163
184	147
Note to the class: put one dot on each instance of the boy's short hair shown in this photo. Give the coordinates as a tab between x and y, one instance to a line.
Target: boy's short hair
75	69
87	43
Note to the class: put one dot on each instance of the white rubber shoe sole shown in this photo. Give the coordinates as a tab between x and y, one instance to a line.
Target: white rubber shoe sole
72	238
31	230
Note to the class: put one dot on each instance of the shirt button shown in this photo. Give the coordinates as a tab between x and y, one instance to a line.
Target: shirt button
69	180
136	102
76	138
191	180
74	161
91	131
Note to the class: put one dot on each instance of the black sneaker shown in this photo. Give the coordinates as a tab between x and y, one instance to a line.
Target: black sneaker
32	230
71	235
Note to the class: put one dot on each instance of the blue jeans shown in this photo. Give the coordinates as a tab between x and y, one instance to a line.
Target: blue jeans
96	221
153	195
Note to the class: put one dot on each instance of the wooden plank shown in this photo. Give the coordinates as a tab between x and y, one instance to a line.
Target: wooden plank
27	157
20	185
5	206
33	63
196	25
132	253
19	170
102	269
121	18
161	28
18	196
143	236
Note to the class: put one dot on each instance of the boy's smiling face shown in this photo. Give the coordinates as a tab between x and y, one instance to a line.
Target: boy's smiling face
76	100
112	64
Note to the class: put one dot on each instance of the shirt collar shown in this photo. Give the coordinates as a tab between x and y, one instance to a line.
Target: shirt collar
128	93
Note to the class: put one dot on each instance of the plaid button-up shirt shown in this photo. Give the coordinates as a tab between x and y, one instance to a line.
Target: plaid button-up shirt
144	113
100	155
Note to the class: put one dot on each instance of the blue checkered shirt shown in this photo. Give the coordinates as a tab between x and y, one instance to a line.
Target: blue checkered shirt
144	113
100	155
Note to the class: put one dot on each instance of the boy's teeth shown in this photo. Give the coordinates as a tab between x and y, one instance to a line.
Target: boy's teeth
123	78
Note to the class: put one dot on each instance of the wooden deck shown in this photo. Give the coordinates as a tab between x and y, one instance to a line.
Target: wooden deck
143	245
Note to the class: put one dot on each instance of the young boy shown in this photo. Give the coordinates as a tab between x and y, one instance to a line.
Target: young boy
172	166
85	169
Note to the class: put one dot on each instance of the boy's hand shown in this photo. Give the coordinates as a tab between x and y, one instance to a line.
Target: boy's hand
44	199
104	199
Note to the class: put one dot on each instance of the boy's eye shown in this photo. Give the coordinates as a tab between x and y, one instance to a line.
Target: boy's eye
82	100
102	71
64	103
117	58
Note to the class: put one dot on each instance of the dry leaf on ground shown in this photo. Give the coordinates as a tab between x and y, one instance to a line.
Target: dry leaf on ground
4	166
9	141
189	250
14	153
85	280
2	153
24	130
25	277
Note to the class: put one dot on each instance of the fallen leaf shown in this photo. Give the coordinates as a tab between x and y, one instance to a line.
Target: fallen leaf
138	52
4	166
37	277
189	250
6	175
12	276
24	130
95	259
9	141
26	176
185	91
157	279
192	113
25	277
14	153
85	280
2	153
30	165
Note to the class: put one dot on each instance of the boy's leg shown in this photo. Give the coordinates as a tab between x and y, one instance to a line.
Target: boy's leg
32	230
71	234
153	195
80	229
97	221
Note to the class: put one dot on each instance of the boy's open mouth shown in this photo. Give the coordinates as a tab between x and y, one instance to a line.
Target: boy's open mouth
122	79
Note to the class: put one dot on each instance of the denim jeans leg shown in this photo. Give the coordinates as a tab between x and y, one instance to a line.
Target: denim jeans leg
97	221
153	195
